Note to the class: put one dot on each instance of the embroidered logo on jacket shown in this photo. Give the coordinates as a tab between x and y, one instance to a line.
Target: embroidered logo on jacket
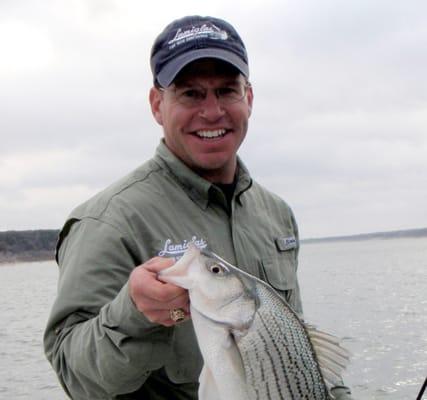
176	250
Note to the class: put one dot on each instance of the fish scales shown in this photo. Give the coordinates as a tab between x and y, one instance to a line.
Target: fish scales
277	355
254	346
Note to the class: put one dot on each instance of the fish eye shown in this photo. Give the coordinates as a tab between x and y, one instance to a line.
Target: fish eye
217	269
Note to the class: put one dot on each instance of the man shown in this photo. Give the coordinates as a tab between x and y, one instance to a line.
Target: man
116	331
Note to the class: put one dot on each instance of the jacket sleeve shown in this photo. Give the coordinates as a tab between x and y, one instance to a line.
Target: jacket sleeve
98	343
294	296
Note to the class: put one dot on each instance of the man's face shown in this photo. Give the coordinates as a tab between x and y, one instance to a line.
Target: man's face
205	134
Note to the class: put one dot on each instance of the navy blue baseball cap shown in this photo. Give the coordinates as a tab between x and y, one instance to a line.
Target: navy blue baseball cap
191	38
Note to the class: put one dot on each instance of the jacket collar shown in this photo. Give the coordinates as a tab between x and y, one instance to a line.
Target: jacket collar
198	189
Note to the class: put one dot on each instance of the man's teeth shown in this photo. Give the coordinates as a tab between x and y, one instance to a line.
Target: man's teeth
211	134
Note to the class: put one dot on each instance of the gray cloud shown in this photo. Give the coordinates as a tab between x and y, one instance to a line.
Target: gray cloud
339	121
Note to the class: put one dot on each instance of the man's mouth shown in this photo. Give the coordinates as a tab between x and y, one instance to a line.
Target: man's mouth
211	134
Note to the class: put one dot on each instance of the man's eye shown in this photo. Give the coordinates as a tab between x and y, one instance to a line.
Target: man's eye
227	92
193	94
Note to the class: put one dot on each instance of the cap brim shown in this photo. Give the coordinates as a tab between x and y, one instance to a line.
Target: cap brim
166	76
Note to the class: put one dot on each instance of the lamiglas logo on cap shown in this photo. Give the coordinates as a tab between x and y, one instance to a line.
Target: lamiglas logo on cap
206	30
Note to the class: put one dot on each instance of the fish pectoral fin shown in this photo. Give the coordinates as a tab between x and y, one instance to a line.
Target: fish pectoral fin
332	357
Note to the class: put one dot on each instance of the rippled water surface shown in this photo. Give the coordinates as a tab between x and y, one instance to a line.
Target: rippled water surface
374	295
371	293
27	291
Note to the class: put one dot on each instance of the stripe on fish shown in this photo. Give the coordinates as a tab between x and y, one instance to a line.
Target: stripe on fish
267	351
288	369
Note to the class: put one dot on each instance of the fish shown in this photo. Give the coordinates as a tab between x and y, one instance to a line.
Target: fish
254	346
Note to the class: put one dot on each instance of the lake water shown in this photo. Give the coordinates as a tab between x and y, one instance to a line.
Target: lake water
373	294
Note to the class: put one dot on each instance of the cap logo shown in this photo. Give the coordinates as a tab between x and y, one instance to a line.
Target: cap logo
197	32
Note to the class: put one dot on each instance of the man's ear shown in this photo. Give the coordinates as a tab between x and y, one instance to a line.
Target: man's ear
156	104
250	98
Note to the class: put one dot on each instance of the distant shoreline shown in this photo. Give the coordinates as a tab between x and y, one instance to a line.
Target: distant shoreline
27	246
408	233
26	257
39	245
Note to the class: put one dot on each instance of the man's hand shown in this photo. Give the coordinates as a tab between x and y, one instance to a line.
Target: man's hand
153	297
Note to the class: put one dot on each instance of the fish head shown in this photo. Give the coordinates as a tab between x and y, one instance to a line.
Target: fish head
216	289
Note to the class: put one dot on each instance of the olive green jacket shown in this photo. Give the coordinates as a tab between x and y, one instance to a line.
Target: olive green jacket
100	346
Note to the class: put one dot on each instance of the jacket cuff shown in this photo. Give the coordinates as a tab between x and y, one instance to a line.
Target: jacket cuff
122	315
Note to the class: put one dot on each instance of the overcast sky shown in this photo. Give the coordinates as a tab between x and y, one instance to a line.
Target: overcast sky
339	125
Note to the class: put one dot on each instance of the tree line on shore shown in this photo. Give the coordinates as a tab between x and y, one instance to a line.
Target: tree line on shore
34	245
39	245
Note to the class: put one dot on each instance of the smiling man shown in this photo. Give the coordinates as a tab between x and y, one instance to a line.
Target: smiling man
204	114
115	330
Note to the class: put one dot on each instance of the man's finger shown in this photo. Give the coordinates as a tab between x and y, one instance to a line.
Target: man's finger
146	284
156	264
179	302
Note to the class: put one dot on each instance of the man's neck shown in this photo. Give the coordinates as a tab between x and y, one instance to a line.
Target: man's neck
221	176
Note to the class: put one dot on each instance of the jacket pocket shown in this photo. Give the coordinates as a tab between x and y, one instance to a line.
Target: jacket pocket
279	270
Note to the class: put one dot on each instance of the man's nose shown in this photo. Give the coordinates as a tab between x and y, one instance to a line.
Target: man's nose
211	108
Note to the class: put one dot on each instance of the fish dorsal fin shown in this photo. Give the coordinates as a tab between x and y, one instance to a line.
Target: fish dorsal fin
332	357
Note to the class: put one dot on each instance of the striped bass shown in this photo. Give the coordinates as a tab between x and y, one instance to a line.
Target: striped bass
254	346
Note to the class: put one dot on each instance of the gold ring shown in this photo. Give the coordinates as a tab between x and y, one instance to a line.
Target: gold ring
177	314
